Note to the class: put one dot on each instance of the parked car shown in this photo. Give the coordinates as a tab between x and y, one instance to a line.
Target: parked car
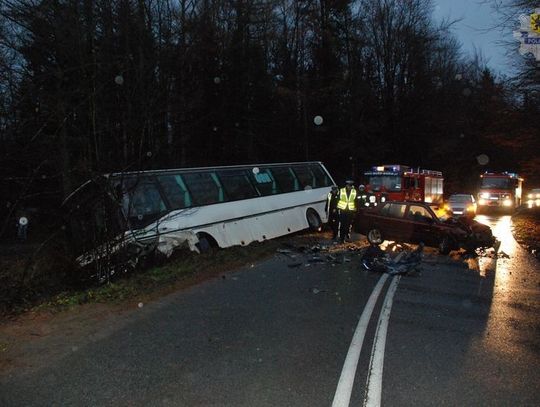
462	204
416	222
533	197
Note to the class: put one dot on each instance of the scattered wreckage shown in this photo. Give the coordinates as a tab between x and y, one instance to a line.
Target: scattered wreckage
419	222
405	262
393	259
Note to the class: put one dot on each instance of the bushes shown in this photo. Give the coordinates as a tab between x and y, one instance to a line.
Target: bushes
33	273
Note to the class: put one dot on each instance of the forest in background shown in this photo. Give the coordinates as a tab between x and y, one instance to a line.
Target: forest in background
96	86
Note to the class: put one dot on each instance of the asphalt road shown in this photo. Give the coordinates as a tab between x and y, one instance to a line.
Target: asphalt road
460	333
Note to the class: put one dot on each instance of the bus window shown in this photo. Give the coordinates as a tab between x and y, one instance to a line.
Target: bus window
305	176
286	180
175	191
321	178
204	187
264	182
237	184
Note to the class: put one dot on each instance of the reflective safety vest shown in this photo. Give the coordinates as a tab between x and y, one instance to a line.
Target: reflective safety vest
347	202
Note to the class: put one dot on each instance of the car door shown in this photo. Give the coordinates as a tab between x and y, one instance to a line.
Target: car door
423	225
391	221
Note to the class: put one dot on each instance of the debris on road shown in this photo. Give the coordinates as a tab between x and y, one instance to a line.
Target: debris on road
319	254
395	258
405	262
295	264
503	255
487	252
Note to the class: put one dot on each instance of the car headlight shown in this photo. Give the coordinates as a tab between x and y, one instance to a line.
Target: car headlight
507	202
372	199
482	201
530	196
383	199
484	195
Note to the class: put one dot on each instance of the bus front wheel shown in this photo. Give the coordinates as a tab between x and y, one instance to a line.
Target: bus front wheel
206	242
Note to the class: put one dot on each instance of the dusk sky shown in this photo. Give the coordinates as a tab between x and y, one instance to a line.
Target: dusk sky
477	29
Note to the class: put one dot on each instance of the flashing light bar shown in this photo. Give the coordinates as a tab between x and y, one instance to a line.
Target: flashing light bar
390	167
500	174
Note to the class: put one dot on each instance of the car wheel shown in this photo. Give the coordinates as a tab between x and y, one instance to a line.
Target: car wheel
314	221
445	245
374	236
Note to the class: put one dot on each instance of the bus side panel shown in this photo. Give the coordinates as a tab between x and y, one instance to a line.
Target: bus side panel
264	220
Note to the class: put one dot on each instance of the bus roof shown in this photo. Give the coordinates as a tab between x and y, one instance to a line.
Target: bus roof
190	169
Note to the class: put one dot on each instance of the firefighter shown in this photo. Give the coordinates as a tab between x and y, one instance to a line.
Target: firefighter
346	209
362	197
371	198
331	210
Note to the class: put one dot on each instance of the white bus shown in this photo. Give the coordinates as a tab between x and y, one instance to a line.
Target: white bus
203	207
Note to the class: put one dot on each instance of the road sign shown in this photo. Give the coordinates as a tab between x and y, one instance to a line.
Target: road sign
528	34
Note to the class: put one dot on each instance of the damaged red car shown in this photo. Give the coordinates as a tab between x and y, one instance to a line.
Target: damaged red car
419	222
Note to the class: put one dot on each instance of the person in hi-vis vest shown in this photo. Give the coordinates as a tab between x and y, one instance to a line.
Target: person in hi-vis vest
346	209
363	197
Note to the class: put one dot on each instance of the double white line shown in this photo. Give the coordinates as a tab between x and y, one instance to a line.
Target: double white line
374	380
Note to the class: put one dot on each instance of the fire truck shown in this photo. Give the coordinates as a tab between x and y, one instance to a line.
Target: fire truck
500	190
398	182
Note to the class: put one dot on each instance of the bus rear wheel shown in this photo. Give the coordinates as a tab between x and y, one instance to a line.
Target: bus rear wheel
314	221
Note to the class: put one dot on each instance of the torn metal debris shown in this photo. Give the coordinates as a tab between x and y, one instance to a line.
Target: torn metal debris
406	261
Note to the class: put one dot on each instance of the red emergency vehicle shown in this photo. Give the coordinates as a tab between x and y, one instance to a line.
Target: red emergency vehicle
398	182
500	190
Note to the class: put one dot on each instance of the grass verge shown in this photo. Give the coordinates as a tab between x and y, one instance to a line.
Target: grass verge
185	269
526	228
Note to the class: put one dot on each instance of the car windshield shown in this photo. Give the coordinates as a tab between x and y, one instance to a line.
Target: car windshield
460	198
440	212
493	182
